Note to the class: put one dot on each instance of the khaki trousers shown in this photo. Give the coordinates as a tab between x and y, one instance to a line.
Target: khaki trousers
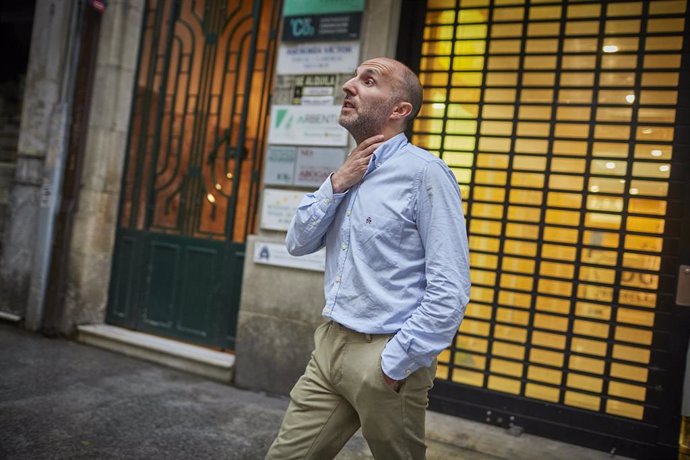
343	389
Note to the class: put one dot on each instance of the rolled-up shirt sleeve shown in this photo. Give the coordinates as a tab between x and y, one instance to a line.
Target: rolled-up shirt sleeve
432	326
314	215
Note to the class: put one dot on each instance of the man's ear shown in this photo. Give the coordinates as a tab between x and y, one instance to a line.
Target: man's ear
401	110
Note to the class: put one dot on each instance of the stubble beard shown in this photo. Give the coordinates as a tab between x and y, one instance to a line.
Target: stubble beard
368	122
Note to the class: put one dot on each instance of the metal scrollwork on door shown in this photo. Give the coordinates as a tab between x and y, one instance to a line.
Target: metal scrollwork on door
199	117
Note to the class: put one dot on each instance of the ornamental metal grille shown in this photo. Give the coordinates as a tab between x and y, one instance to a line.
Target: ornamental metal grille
196	138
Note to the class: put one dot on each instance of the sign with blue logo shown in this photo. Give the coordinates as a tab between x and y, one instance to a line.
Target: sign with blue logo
275	253
322	27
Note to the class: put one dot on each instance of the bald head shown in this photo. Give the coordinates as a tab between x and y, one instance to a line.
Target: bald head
382	97
406	86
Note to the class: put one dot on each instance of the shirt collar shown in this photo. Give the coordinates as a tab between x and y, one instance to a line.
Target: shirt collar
387	150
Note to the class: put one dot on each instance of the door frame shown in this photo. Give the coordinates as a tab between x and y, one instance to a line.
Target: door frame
137	247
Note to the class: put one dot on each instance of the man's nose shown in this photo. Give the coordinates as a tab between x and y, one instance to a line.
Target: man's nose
349	87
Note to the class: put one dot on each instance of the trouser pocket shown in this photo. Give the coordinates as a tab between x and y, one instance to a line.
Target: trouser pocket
361	369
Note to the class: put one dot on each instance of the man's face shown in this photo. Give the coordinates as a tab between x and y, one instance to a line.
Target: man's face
369	99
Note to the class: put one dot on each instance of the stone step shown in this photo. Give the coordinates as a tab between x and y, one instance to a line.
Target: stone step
197	360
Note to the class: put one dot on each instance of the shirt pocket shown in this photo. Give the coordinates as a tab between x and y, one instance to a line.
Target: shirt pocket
377	241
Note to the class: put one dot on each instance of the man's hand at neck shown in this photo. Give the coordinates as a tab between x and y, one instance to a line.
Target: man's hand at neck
356	164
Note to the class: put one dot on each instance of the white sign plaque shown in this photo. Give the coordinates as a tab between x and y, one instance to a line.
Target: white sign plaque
314	164
279	207
276	254
317	100
280	165
306	125
323	57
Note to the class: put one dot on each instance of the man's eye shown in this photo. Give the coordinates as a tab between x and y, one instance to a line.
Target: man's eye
369	82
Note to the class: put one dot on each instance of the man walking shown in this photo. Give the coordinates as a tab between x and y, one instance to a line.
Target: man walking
396	281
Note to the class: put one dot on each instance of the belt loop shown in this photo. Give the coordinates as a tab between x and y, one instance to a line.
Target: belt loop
368	336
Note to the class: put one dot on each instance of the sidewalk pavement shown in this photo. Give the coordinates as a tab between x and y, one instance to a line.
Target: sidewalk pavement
63	400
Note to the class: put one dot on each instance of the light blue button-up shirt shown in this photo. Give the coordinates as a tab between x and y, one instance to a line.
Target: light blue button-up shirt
396	253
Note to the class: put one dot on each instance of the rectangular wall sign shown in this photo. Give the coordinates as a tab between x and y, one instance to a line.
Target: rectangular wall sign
280	165
301	166
314	164
322	57
279	207
277	254
322	27
327	89
306	125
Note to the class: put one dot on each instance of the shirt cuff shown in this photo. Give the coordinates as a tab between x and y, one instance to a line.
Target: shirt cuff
325	194
330	187
395	363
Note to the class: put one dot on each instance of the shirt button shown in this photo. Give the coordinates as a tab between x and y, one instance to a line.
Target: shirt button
407	371
337	280
349	212
344	247
327	200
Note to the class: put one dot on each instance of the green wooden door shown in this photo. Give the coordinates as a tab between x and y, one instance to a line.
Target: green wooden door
190	187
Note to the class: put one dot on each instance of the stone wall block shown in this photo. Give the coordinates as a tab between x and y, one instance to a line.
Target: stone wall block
19	240
118	46
20	231
94	223
36	112
272	352
29	170
112	98
86	295
104	159
380	28
90	259
44	74
58	35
